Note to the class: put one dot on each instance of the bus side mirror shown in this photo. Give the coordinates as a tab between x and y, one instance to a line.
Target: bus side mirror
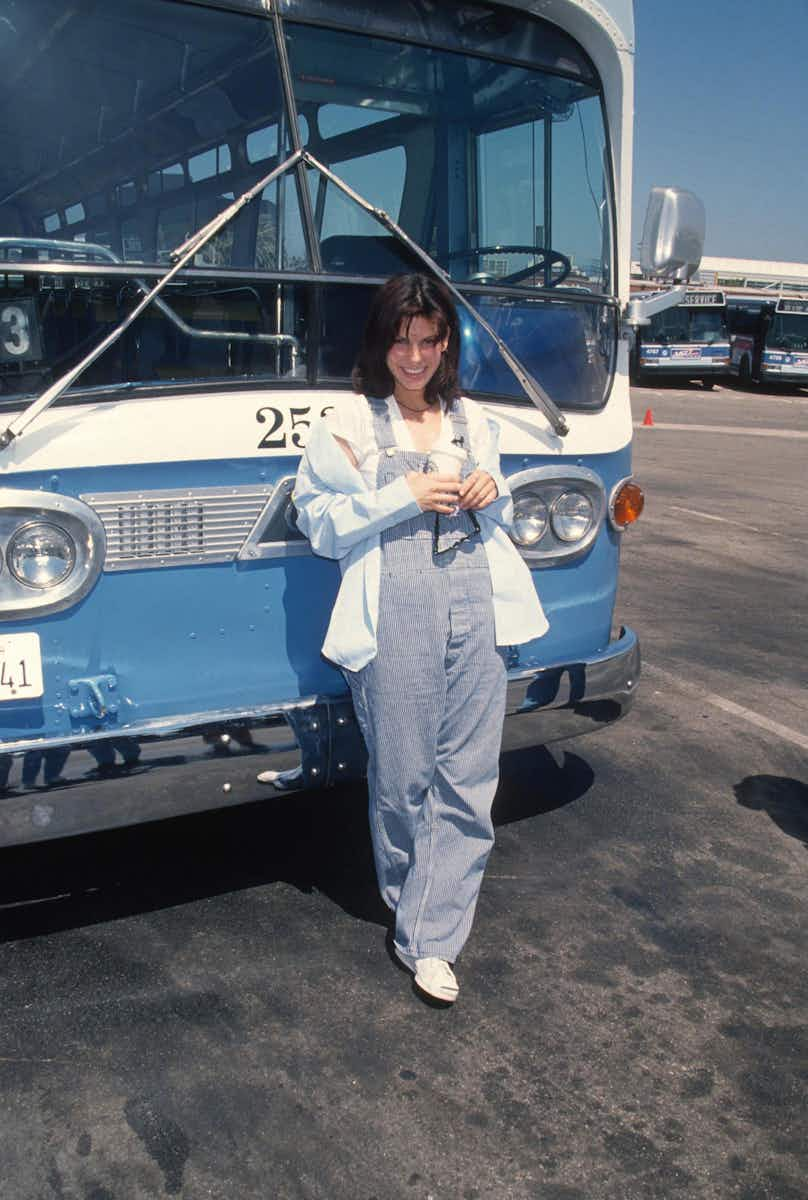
673	233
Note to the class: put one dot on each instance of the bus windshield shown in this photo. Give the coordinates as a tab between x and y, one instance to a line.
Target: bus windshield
688	325
788	331
480	133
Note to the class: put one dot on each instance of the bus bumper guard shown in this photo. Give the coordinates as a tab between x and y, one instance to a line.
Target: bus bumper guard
59	787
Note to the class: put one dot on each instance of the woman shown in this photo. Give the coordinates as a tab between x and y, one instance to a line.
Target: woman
431	585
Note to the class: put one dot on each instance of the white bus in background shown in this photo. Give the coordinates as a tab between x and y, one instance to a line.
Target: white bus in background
687	341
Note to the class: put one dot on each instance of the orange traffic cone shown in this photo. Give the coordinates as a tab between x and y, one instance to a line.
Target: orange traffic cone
648	419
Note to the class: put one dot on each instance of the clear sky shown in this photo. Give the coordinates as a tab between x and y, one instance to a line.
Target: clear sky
722	109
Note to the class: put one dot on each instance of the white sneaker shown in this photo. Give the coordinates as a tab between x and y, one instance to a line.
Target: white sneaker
433	976
282	780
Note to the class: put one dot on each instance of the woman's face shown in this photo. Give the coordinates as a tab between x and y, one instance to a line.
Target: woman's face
414	356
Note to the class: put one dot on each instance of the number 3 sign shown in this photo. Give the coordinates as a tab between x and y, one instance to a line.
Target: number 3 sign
19	332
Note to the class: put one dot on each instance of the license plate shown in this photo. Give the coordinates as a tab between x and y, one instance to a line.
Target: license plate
20	667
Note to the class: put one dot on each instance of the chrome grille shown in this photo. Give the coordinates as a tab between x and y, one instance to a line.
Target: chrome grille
177	526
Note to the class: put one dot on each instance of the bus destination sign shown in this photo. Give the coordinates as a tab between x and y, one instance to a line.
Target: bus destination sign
702	299
793	306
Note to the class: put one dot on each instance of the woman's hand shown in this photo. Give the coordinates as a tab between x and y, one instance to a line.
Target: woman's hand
435	493
478	490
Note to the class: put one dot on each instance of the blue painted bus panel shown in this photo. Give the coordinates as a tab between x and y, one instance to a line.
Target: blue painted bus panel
200	638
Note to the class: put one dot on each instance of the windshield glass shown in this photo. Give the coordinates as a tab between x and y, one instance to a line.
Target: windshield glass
129	126
496	170
788	331
681	324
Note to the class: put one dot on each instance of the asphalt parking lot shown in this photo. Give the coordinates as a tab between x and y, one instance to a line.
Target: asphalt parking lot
206	1008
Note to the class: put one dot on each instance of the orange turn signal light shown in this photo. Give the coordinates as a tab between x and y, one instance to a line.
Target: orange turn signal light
628	504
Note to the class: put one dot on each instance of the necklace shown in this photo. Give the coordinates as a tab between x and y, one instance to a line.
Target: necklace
409	407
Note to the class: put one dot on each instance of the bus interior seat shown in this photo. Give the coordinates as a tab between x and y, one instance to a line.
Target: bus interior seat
378	254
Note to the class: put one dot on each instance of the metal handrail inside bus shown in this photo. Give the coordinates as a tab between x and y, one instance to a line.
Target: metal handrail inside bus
107	256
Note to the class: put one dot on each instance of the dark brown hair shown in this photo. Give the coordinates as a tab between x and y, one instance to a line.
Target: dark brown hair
395	304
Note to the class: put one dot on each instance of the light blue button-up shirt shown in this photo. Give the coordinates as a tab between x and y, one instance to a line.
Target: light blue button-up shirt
343	518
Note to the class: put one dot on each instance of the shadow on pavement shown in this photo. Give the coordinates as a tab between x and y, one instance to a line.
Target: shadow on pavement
535	780
784	799
672	383
315	841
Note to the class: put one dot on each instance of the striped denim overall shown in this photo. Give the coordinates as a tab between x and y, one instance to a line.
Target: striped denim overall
431	706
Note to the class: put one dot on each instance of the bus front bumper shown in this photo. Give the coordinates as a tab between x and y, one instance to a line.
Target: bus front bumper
60	787
564	701
688	368
785	375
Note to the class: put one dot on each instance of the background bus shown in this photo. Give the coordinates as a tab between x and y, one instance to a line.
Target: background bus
688	341
769	340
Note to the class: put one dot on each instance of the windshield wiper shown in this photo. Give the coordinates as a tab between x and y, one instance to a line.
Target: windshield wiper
531	387
182	255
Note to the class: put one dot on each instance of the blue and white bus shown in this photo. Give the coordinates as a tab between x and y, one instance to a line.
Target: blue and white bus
690	340
197	200
769	340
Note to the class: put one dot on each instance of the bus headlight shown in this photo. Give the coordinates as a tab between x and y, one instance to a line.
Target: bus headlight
572	515
41	555
557	512
529	520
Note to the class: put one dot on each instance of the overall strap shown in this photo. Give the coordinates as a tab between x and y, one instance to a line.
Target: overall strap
460	426
382	424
